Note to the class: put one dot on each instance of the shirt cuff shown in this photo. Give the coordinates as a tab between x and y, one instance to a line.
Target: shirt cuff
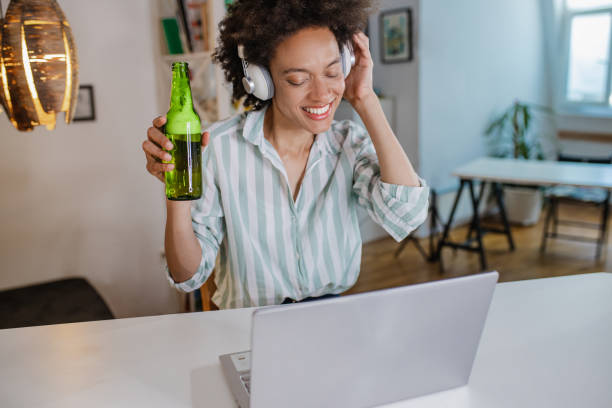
400	192
188	286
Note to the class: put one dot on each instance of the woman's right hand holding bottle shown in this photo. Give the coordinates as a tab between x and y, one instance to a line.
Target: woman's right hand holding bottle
156	149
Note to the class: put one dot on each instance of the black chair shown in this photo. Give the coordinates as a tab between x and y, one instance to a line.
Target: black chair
559	195
63	301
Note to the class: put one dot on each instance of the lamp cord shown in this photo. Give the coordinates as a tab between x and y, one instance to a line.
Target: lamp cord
1	15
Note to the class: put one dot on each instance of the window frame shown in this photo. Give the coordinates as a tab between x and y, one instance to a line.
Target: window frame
584	108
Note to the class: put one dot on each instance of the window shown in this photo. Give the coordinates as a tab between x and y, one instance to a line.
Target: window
588	50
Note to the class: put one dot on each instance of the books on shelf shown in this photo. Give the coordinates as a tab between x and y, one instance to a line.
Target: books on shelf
172	35
182	16
195	15
186	25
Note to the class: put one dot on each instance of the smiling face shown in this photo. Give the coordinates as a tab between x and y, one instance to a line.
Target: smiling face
308	80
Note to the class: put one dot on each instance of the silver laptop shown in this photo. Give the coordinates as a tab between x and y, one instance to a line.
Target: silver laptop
363	350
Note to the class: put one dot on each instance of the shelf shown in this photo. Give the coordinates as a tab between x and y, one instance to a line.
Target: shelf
197	56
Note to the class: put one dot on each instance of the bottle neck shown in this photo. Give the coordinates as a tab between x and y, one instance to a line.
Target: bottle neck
180	98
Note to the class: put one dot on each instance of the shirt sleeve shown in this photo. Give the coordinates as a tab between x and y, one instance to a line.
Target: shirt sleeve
396	208
208	225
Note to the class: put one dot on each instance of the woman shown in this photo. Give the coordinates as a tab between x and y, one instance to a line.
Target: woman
281	184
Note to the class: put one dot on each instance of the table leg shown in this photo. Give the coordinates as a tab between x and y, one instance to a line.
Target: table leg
418	246
545	233
402	246
447	226
433	222
555	208
476	222
502	213
480	195
433	225
603	233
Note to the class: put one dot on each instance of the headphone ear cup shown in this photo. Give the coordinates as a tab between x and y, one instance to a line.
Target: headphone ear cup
263	87
347	58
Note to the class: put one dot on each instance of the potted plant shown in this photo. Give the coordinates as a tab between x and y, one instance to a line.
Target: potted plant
513	134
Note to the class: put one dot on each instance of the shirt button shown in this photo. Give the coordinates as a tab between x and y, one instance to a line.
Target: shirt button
298	255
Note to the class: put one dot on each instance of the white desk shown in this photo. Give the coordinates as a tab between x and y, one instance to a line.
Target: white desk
515	171
546	343
539	173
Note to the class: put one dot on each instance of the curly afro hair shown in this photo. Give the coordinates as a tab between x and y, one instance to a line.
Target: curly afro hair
260	25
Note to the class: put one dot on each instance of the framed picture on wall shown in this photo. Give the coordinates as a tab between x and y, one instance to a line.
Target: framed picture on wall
85	107
396	36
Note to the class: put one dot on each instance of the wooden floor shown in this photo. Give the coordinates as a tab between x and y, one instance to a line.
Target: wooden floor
381	269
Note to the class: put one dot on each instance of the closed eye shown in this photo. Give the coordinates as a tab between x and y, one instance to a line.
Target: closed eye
294	83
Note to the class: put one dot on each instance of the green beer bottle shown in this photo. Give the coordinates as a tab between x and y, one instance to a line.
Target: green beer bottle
183	130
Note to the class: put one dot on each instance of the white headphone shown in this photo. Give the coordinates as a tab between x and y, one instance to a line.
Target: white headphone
258	82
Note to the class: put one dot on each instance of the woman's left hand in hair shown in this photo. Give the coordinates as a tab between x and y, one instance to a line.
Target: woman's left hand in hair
359	82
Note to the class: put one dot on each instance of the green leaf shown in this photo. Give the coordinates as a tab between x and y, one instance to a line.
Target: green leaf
526	117
497	123
510	134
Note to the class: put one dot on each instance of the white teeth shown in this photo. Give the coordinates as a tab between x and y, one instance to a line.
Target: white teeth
318	111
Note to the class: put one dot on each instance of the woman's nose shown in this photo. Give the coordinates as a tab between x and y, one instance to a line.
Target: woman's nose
320	90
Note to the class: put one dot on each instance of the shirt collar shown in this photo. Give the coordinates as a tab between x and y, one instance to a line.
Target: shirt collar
253	126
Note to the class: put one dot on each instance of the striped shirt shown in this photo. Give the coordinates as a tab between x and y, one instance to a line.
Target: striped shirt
272	247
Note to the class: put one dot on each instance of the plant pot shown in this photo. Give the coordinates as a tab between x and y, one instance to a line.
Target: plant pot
523	204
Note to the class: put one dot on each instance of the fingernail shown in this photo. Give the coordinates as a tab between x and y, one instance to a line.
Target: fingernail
169	146
167	157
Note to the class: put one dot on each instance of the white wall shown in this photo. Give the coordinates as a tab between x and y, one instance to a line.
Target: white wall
77	201
400	81
475	58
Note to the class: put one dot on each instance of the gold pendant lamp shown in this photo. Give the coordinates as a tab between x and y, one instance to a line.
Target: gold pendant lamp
38	63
